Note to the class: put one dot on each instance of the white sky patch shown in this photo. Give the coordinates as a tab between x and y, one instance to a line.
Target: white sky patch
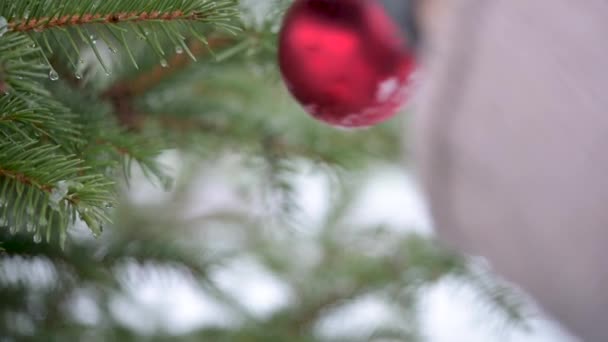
386	89
164	299
391	197
312	188
452	311
84	308
252	285
357	319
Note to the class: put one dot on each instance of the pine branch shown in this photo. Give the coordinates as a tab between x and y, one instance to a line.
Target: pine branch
42	190
71	23
35	121
26	106
66	21
49	14
20	69
130	148
109	146
37	165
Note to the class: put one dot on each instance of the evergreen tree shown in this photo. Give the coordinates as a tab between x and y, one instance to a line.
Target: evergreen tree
93	91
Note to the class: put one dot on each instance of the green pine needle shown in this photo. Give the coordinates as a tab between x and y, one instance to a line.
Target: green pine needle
78	23
42	189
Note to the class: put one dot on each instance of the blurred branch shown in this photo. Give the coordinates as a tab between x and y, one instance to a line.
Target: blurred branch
310	315
123	92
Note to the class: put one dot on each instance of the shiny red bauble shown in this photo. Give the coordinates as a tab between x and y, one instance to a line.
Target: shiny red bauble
346	61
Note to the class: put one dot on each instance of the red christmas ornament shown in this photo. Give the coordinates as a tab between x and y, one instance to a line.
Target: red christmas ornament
346	61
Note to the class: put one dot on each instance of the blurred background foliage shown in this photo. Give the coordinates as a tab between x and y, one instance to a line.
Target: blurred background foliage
190	169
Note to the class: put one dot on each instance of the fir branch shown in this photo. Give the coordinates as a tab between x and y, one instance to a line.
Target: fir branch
109	145
35	120
26	106
114	21
39	25
111	148
20	67
42	15
43	190
128	148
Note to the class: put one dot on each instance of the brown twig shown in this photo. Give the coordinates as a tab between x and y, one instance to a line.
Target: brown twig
4	87
40	24
21	178
24	179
